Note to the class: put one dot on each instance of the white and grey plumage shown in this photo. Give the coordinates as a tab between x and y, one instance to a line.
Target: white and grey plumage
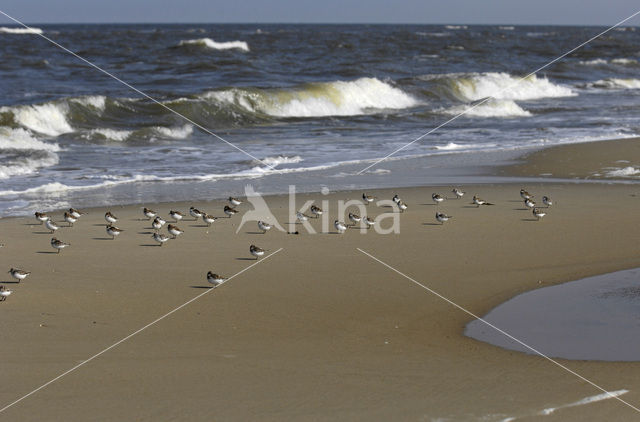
459	193
368	199
317	211
234	201
547	201
368	222
525	195
402	206
160	238
176	215
264	226
51	225
75	213
396	198
156	224
302	216
149	213
19	274
4	293
529	203
110	217
195	213
340	226
437	198
41	217
208	219
215	279
113	231
174	230
69	218
442	217
58	244
479	201
354	218
538	213
256	251
229	211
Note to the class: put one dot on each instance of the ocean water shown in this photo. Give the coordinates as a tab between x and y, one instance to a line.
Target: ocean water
317	102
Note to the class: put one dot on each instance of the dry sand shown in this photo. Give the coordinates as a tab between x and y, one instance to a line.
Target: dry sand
317	332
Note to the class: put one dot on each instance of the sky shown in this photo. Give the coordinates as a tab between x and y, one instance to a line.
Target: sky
534	12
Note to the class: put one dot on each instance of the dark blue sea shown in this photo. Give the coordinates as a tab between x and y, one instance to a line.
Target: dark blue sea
304	104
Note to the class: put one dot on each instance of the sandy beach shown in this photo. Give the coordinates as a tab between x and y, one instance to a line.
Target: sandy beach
319	331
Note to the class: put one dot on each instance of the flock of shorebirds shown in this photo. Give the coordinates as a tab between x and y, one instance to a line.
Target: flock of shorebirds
72	215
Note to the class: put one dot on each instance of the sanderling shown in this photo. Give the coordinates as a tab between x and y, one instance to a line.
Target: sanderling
317	211
69	219
368	199
459	193
58	244
396	198
209	219
176	215
368	221
19	274
113	231
229	211
160	238
442	217
256	251
215	279
265	227
529	203
51	225
547	201
75	213
174	230
437	198
340	226
195	213
538	213
110	217
354	218
302	216
41	217
403	207
156	224
4	293
477	201
234	201
525	195
149	213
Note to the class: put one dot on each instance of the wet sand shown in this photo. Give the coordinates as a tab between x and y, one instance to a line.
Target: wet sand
319	331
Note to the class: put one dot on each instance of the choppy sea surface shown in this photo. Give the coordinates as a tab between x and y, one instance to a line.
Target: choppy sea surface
317	102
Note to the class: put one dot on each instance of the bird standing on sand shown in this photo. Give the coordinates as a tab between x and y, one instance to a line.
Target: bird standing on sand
41	217
316	211
111	219
176	215
113	231
477	201
265	227
208	219
149	213
442	217
396	198
215	279
525	195
538	213
354	218
229	211
256	251
19	274
234	201
156	224
75	213
4	293
69	218
174	230
402	206
368	199
547	201
340	226
529	203
195	213
437	198
58	244
160	238
368	222
51	225
459	193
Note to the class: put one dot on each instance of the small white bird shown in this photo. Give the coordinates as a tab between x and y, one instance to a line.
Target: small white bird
4	293
113	231
51	225
41	217
195	213
301	216
149	213
403	207
208	219
396	198
215	279
529	203
264	226
19	274
75	213
256	251
442	217
316	211
369	222
538	213
58	244
354	218
437	198
459	193
234	201
110	217
368	199
479	201
340	226
174	230
176	215
525	195
69	219
156	224
229	211
547	201
160	238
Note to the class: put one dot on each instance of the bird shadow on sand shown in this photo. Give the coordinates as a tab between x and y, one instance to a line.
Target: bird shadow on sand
101	225
150	245
470	206
32	224
9	282
528	219
202	287
42	233
255	232
431	205
145	232
101	238
246	259
48	252
199	225
432	224
521	209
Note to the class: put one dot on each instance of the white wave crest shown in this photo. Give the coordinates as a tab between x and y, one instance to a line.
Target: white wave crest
209	43
111	134
624	61
594	62
96	101
21	139
6	30
181	132
339	98
503	86
49	118
275	161
456	26
25	166
624	172
491	108
586	400
616	83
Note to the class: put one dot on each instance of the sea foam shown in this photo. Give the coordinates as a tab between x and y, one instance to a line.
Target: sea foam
491	108
209	43
6	30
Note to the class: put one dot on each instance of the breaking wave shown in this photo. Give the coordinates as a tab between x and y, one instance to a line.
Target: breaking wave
616	83
339	98
6	30
491	108
22	154
209	43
